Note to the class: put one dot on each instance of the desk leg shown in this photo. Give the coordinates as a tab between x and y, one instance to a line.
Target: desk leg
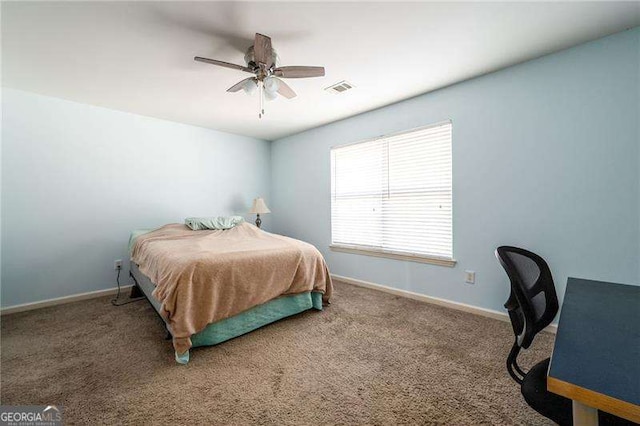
583	415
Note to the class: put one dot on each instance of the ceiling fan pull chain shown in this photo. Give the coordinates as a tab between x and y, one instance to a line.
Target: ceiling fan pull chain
261	107
261	99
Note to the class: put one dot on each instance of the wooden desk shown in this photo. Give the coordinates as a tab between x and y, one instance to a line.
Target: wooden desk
596	357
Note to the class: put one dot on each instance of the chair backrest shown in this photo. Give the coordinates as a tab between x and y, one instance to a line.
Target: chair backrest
533	302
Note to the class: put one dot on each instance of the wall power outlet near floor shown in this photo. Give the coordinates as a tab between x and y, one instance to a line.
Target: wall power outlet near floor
117	264
470	277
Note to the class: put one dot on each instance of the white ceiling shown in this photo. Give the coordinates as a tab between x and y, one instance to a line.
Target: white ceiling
138	56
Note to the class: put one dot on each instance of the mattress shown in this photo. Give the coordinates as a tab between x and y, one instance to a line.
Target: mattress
243	323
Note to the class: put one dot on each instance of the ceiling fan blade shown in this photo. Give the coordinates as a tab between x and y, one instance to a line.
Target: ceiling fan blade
238	86
223	64
284	89
299	72
262	51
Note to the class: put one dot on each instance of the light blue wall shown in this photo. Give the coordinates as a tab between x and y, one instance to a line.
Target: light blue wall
545	156
77	178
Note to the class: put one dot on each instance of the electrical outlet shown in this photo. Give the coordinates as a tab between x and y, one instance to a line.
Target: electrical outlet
117	264
470	277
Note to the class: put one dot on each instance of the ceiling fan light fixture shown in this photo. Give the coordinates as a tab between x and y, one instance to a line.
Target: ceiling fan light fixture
249	87
271	84
270	96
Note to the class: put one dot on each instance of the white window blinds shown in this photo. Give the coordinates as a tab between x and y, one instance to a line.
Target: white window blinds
393	194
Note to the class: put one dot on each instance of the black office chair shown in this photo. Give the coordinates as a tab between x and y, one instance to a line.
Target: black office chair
532	305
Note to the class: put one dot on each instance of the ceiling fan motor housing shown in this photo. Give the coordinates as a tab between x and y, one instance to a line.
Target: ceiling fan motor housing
249	58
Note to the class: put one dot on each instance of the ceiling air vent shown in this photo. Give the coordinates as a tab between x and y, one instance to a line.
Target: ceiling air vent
340	87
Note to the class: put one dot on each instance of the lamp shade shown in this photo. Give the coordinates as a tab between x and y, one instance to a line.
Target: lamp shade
271	84
249	86
259	207
270	96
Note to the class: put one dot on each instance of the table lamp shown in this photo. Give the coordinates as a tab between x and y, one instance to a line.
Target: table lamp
259	207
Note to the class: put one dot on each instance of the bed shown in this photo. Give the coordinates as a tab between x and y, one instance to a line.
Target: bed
213	285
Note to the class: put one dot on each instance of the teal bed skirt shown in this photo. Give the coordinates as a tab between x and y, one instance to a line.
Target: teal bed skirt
245	322
253	319
256	317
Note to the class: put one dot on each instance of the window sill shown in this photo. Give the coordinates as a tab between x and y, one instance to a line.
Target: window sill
394	255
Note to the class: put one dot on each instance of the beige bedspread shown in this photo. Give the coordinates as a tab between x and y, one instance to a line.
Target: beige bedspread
205	276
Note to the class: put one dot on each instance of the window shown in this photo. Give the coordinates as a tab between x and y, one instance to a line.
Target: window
392	196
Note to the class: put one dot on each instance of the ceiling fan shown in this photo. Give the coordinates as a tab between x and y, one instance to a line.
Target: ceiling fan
261	60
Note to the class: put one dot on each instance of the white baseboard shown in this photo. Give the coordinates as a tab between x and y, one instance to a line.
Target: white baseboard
62	300
502	316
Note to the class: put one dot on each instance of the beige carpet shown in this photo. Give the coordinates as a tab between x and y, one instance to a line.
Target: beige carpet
370	358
